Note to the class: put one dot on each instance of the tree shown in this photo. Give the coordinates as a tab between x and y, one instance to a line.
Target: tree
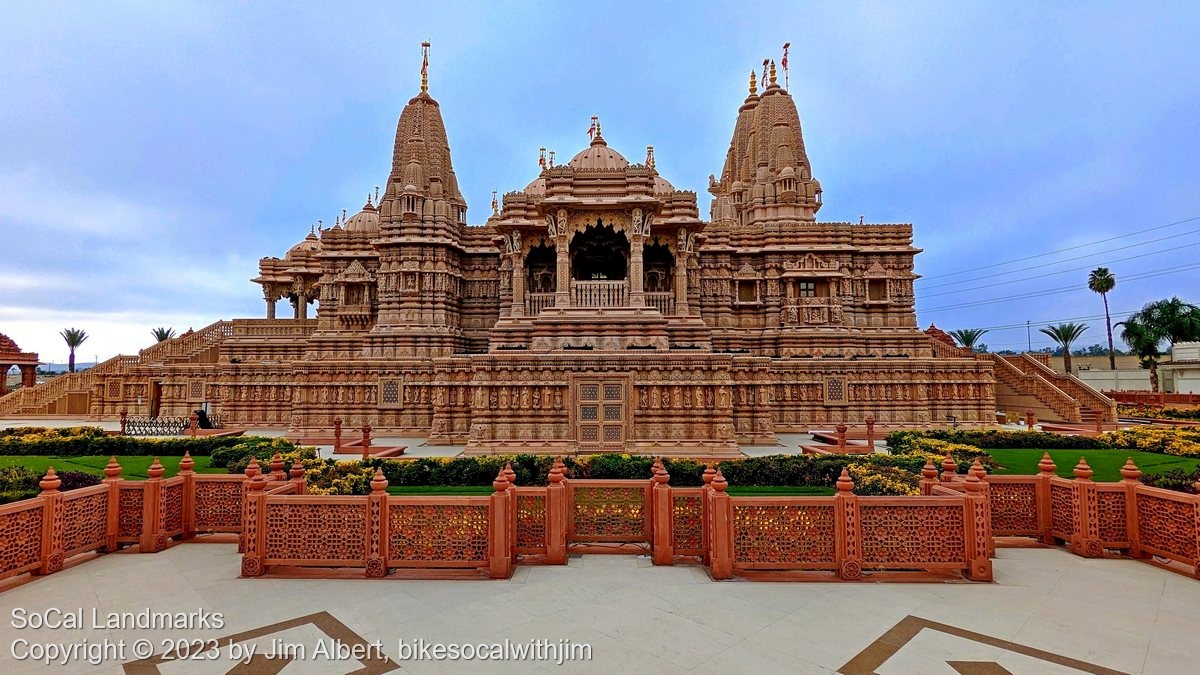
1143	341
73	337
1172	320
1102	281
968	337
1064	334
163	334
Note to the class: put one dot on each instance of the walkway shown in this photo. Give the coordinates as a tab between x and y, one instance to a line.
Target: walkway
1047	610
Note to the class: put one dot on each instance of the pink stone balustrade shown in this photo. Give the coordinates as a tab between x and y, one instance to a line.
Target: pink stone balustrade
950	529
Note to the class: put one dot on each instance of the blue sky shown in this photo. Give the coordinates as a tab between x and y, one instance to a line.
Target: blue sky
153	151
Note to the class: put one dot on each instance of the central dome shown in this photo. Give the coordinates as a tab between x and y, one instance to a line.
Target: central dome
598	156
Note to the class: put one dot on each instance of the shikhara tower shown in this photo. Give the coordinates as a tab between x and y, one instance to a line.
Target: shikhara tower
593	311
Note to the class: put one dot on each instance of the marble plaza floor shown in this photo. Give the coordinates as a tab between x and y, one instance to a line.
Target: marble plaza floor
1048	611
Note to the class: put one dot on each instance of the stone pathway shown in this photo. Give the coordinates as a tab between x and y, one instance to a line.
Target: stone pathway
1048	611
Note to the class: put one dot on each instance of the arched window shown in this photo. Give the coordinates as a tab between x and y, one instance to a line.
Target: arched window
541	269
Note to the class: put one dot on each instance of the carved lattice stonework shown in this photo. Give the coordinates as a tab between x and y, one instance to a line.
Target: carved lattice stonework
531	521
612	513
835	390
172	508
316	531
906	535
783	534
1014	508
22	532
686	526
129	514
218	505
114	390
438	532
389	393
1063	512
85	522
196	390
1167	525
1111	511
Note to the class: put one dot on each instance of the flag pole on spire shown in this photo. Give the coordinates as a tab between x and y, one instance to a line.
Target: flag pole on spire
764	76
425	66
783	62
592	130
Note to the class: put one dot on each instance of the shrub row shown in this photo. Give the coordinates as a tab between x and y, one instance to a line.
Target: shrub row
1179	441
80	441
18	482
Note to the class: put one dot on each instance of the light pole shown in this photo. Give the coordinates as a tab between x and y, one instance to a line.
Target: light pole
1028	339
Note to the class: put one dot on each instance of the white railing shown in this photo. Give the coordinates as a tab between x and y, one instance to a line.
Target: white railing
599	293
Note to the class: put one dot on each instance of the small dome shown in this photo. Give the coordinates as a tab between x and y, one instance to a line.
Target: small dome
598	156
307	247
7	345
537	187
661	185
366	220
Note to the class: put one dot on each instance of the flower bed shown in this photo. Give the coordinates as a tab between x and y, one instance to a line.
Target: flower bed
76	441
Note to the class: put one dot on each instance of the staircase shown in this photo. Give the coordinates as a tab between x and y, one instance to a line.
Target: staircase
1024	383
68	394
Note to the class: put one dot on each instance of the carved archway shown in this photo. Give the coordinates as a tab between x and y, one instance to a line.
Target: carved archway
541	269
599	252
658	264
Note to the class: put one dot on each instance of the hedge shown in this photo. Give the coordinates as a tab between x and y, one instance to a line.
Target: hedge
18	482
905	441
80	441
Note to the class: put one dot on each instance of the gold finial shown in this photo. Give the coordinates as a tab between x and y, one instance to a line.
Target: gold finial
495	204
650	156
542	157
425	66
772	72
551	159
753	83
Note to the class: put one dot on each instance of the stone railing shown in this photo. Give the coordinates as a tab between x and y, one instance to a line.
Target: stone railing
54	526
33	400
1033	384
272	328
1083	393
941	350
663	302
599	293
1151	398
536	302
188	344
949	529
1090	518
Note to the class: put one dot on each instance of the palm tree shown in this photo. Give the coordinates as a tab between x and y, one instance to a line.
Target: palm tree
74	337
163	334
1172	320
1143	341
1064	334
968	337
1102	281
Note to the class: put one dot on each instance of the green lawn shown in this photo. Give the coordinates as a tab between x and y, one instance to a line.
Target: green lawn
1106	463
453	490
132	467
780	491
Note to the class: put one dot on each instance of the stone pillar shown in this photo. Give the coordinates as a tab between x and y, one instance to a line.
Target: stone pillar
29	376
270	308
562	291
4	378
681	284
661	507
556	515
518	284
302	307
637	296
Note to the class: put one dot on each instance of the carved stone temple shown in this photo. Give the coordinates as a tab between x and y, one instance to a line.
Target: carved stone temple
594	310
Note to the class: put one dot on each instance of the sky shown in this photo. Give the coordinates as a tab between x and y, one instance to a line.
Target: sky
152	152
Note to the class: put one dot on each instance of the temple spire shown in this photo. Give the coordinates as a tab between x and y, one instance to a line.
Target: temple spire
425	66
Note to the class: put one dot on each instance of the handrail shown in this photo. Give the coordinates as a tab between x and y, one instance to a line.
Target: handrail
1077	388
1037	386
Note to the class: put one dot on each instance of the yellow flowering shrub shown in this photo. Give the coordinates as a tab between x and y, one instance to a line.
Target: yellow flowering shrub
870	479
1179	441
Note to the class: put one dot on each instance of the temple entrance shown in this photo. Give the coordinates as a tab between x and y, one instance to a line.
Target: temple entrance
541	268
155	398
599	253
601	416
